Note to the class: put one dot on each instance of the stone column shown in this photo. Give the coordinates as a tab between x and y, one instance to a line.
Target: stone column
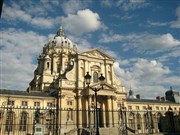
135	121
89	110
143	123
155	123
104	114
111	77
112	109
80	111
86	110
106	71
54	64
109	111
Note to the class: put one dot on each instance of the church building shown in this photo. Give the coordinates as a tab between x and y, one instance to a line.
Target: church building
60	101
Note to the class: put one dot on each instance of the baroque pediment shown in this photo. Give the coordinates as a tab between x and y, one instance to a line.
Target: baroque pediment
96	53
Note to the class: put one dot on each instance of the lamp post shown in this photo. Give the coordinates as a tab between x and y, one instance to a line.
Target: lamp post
123	119
58	105
8	116
171	120
52	116
88	81
150	126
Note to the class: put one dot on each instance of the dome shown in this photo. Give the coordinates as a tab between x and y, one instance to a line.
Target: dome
60	40
63	41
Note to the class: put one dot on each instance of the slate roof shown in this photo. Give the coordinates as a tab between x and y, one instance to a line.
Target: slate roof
150	101
22	93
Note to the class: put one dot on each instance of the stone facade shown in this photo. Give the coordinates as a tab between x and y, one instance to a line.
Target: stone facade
66	105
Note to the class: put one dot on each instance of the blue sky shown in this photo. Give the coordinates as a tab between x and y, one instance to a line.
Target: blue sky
142	36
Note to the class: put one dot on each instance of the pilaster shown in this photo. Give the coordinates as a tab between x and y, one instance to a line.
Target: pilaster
109	110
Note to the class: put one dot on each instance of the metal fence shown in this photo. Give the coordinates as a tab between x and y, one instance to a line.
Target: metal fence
25	121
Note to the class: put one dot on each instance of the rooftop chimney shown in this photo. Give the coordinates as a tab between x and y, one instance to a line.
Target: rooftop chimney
138	96
158	98
162	98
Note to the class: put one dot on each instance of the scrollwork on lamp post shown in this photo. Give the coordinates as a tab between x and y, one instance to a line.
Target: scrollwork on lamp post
88	81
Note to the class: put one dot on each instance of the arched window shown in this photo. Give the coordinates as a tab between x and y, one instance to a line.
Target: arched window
138	118
23	121
9	121
95	77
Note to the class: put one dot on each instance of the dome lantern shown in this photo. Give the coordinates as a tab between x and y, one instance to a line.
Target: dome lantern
60	32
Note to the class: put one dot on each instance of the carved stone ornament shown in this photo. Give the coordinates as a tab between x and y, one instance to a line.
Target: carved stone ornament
95	54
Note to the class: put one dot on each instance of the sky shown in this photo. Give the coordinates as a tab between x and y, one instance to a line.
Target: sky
142	36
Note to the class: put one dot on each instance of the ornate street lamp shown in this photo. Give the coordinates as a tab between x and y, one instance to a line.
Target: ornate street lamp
123	119
150	119
170	117
101	81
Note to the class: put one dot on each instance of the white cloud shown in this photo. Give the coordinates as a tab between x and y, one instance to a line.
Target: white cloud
172	53
172	24
125	5
106	3
72	6
176	24
15	13
159	41
43	22
38	8
83	22
142	41
146	77
123	16
18	51
82	43
131	4
157	23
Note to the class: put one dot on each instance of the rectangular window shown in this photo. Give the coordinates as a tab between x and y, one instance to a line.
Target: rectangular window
129	107
137	107
24	103
11	102
36	103
157	107
49	104
144	107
